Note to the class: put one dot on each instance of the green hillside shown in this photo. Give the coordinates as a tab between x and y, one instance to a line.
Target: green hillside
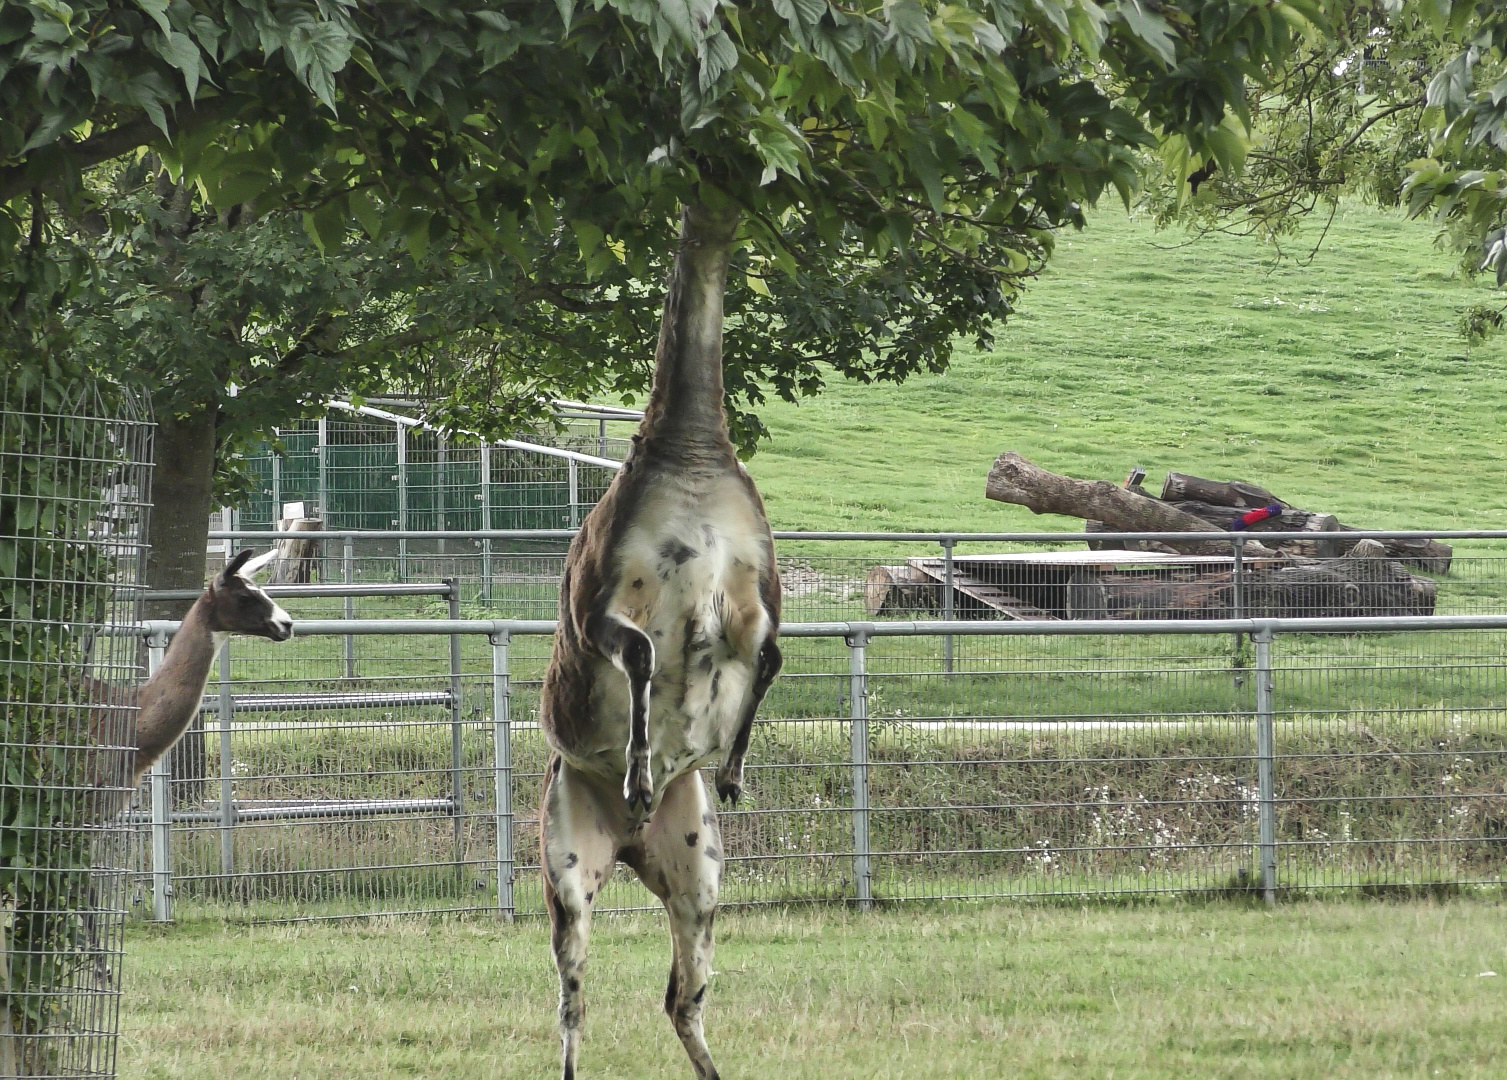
1342	385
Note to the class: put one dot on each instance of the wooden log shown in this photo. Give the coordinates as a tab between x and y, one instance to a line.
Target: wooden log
892	590
1429	555
1364	582
1208	597
1180	486
1013	479
295	560
1123	545
1322	546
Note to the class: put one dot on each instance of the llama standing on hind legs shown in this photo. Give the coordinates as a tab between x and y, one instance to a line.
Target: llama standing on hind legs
669	609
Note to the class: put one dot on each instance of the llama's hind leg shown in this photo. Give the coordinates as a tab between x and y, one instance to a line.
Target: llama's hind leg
580	833
682	864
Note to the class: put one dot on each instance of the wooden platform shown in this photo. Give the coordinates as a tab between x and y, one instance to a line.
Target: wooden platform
1117	584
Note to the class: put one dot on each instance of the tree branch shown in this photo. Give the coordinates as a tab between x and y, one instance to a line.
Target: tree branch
16	179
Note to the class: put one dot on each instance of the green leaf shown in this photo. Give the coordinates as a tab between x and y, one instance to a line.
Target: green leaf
330	224
237	188
157	9
366	213
923	162
1436	14
689	19
777	148
1150	28
909	27
416	233
181	51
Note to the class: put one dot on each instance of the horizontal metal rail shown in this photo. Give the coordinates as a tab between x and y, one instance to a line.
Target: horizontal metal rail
872	537
297	591
510	444
251	703
244	813
1367	624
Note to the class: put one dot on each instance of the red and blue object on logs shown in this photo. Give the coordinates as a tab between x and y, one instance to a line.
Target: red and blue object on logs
1255	517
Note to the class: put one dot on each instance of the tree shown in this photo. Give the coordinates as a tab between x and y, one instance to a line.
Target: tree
1400	103
898	168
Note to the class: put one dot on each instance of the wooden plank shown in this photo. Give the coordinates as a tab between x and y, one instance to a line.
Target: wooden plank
991	596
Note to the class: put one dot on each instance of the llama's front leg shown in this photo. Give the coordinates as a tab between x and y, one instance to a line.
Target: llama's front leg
682	864
730	775
632	653
579	846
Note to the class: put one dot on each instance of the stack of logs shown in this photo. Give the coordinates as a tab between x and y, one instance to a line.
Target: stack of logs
1325	574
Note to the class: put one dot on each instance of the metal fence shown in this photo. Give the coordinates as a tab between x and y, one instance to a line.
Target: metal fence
75	465
1055	759
984	576
367	468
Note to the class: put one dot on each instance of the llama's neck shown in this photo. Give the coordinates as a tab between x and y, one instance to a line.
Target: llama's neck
684	414
170	700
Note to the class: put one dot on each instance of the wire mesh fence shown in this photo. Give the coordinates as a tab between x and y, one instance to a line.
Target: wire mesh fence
828	576
1068	760
74	492
369	469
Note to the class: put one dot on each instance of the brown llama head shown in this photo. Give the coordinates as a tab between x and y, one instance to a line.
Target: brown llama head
238	606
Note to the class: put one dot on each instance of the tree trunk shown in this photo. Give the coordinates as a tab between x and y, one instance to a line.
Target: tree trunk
1324	545
1015	480
892	590
1428	555
296	559
1179	486
182	497
1364	582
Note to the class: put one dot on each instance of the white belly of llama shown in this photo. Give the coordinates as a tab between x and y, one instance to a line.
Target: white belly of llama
689	574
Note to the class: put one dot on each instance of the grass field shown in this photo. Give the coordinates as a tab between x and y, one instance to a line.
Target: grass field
1341	385
1334	990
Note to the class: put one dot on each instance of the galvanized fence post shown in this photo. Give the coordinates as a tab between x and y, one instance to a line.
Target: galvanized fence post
858	699
162	809
1265	765
402	500
277	483
502	767
573	474
948	543
225	712
443	471
1237	603
322	450
486	522
457	750
348	572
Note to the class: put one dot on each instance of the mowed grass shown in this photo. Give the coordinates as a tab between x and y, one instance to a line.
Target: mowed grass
1342	385
1309	990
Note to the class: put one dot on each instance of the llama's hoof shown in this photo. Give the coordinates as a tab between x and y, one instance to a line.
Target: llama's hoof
729	789
638	785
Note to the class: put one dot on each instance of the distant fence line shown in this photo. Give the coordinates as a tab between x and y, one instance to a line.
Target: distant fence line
1361	753
366	467
967	576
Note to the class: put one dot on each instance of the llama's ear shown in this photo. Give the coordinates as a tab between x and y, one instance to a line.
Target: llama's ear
233	567
255	566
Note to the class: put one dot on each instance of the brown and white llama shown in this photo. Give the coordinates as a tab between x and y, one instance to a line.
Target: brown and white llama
168	702
670	596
